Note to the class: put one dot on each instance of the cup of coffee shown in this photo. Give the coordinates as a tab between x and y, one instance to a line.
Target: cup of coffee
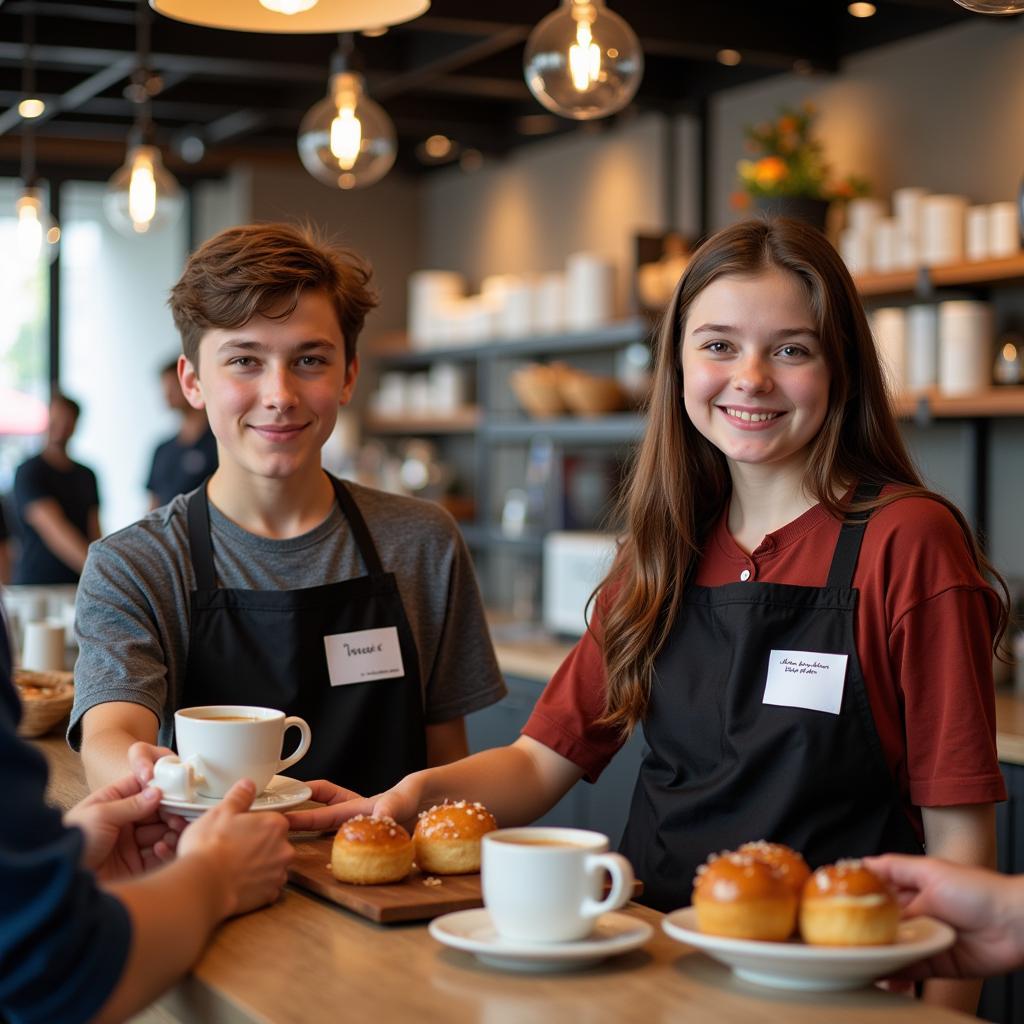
222	743
544	884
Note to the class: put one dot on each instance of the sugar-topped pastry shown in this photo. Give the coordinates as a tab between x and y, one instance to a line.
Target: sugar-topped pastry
371	851
447	837
784	859
845	904
738	895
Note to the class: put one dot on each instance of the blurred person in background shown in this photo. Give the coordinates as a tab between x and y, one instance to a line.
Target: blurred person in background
56	503
5	546
183	462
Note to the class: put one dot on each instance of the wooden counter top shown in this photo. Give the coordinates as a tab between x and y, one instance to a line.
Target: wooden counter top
303	961
534	656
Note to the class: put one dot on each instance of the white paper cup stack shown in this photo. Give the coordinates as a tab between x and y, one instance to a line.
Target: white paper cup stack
885	248
976	240
907	209
590	290
549	303
965	346
431	295
942	229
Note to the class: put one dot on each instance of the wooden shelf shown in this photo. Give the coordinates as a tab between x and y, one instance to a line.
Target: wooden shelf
461	421
621	332
614	429
920	281
995	402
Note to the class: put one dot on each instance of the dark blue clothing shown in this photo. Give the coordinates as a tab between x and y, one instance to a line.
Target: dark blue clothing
75	491
63	941
180	468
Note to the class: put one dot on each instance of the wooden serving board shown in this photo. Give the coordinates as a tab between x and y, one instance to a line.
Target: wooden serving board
408	900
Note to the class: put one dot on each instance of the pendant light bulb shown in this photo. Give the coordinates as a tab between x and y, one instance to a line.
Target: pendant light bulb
583	61
37	233
288	6
346	140
142	196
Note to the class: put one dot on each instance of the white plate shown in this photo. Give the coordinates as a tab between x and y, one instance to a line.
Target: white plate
472	931
280	794
794	965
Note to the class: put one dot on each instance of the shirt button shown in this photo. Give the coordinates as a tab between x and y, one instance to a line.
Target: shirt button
745	575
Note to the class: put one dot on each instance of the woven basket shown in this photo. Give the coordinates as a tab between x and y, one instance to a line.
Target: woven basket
46	699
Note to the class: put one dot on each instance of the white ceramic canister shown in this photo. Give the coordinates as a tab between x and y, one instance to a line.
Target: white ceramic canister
884	245
549	303
590	290
976	241
965	346
942	229
906	208
855	249
890	329
922	347
1003	230
429	292
862	213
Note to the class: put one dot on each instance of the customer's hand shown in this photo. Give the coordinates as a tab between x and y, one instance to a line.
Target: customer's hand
401	802
249	852
124	835
985	908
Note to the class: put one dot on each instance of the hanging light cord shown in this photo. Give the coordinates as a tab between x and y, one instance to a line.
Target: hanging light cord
28	132
140	93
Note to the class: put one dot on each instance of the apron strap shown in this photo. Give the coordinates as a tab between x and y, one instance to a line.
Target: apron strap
357	524
201	546
199	542
851	535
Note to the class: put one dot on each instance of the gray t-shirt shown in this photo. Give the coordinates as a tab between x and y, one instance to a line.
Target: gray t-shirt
132	614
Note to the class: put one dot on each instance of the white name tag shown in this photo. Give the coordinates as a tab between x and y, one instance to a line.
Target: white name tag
805	679
364	656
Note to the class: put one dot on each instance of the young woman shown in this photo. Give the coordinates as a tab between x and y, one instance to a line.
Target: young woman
802	630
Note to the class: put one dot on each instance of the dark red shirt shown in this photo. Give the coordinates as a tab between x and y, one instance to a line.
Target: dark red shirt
924	628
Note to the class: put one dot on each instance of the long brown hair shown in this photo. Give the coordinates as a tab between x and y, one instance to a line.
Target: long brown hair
679	482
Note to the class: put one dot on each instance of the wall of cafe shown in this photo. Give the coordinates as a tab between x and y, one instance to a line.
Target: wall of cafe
944	111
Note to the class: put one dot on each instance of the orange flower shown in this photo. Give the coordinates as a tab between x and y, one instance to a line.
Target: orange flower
770	170
739	200
787	125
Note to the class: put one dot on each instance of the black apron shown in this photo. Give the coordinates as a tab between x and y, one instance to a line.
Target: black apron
266	648
725	768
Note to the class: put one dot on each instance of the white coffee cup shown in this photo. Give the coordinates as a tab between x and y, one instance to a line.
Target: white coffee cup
222	743
544	884
42	646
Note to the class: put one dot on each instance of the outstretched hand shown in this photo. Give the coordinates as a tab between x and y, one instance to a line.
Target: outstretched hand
124	834
342	804
985	908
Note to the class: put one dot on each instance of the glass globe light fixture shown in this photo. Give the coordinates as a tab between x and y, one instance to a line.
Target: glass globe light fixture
37	233
583	61
993	6
346	140
288	6
142	195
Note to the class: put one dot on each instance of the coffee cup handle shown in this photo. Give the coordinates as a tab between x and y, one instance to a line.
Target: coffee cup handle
182	775
622	883
300	751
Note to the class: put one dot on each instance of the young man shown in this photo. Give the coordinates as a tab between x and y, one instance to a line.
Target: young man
183	462
56	502
276	584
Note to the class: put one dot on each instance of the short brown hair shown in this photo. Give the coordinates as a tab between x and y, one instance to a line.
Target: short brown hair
262	270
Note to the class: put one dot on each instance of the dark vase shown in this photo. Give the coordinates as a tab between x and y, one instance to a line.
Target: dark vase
810	211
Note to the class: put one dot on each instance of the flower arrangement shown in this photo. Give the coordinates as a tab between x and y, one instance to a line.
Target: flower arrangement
786	160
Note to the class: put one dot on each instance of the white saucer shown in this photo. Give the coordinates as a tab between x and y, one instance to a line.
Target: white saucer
794	965
280	794
472	931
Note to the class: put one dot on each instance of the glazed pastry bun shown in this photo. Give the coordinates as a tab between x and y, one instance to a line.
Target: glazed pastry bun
742	897
371	851
784	859
845	904
447	837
